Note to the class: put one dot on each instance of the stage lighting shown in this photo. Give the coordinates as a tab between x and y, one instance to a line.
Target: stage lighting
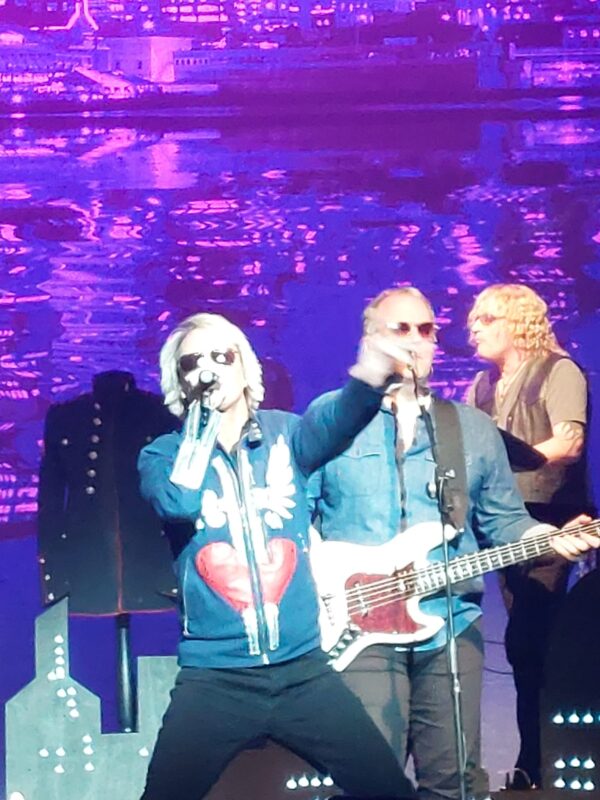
570	729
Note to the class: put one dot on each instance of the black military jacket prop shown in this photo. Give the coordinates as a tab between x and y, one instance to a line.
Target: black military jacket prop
99	542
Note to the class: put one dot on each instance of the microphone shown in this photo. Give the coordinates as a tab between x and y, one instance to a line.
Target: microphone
405	359
400	352
408	358
204	391
207	380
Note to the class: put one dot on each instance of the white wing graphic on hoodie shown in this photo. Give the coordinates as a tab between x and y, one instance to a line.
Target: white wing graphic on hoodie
276	497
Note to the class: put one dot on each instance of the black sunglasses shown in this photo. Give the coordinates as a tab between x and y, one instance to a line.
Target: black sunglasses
189	362
426	330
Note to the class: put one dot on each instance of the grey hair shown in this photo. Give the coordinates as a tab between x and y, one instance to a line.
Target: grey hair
175	398
402	291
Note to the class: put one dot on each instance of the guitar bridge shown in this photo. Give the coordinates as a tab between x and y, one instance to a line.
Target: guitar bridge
363	608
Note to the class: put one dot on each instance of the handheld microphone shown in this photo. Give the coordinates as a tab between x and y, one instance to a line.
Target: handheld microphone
207	380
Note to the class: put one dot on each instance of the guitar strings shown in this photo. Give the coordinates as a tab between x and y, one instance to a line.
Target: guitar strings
381	589
383	592
435	572
525	545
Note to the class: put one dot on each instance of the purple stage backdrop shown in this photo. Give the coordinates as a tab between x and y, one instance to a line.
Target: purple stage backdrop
283	194
110	234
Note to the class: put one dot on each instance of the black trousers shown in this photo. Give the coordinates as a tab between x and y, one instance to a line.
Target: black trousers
408	695
533	594
301	704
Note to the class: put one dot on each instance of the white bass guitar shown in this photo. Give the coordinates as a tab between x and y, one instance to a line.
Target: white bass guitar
370	594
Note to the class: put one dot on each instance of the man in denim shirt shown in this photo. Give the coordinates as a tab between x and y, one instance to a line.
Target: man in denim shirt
379	489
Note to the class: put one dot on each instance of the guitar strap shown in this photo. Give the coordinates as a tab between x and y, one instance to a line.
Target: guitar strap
451	458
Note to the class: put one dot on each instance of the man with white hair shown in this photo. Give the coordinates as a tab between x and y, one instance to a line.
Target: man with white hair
230	489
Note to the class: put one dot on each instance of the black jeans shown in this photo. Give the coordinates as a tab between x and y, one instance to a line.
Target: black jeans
301	704
408	695
533	594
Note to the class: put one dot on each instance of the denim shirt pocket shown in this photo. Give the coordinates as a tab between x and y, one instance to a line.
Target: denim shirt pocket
358	472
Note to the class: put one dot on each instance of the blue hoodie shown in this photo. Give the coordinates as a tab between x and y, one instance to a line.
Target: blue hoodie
240	542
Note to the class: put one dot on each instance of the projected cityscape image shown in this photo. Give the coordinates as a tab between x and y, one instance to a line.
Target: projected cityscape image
279	162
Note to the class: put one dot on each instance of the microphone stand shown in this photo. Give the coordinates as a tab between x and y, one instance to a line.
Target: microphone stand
445	507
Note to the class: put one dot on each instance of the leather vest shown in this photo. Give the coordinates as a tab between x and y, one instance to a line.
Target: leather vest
563	485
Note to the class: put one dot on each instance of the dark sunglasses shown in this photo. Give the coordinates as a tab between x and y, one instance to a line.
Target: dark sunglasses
426	330
189	362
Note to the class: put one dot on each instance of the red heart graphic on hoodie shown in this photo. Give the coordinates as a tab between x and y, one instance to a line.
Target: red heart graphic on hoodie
220	566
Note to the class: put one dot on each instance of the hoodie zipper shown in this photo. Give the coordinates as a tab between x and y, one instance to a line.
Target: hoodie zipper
253	570
184	613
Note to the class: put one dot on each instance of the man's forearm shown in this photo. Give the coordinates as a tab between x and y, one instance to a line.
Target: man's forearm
565	445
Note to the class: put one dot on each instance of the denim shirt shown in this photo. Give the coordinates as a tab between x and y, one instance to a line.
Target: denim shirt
365	497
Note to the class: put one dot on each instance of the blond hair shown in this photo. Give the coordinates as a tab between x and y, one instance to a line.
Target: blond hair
175	398
526	315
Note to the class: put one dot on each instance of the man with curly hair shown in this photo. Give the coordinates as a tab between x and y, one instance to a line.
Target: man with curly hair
536	392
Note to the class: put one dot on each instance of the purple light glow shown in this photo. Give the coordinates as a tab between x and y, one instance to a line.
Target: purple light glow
114	228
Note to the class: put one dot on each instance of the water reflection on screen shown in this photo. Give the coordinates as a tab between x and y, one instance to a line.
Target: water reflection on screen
109	234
